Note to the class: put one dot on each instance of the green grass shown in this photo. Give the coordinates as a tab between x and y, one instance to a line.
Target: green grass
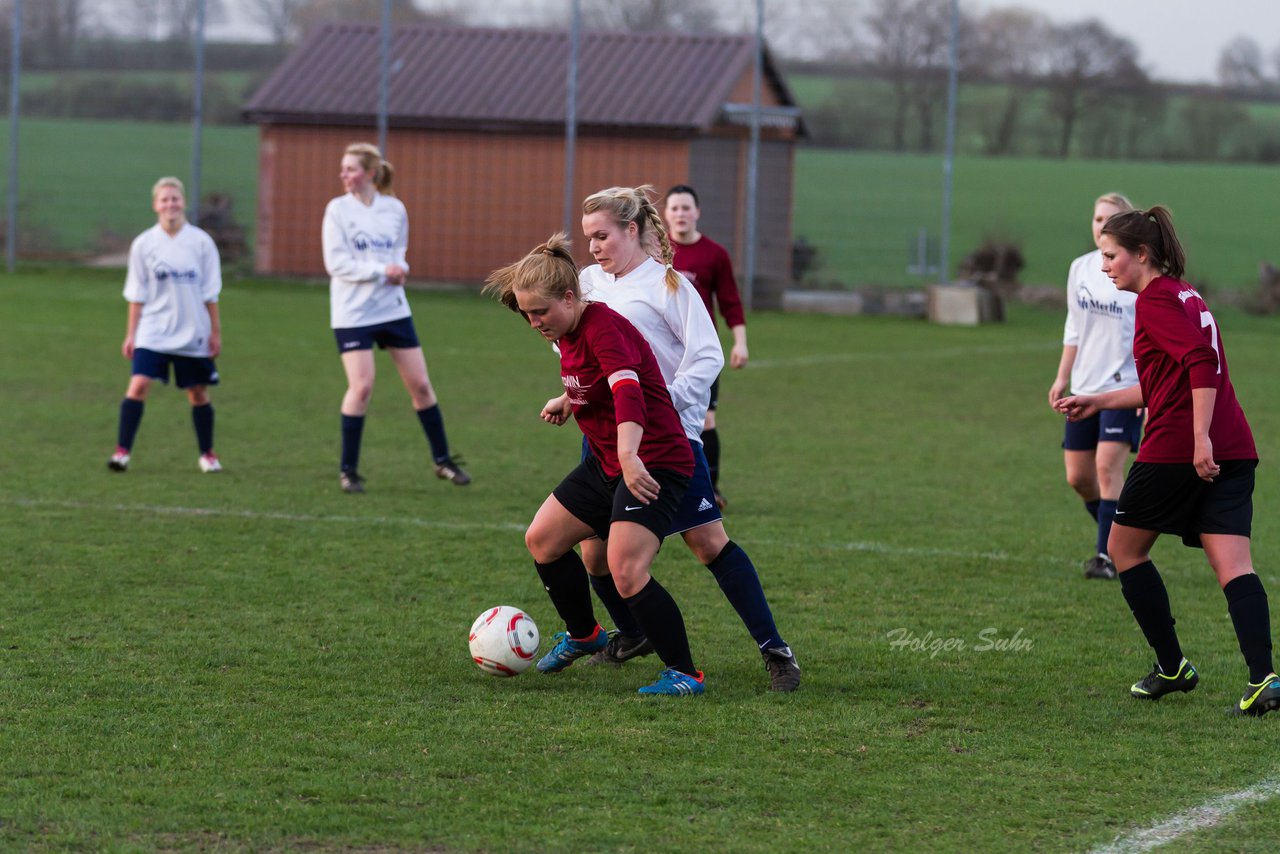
256	661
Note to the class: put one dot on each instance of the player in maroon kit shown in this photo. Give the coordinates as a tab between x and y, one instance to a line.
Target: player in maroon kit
627	490
706	265
1194	474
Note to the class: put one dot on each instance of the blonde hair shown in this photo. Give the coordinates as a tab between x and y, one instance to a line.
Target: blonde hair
548	271
1119	201
632	204
371	160
167	181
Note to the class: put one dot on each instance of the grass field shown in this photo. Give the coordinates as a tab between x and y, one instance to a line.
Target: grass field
256	661
861	210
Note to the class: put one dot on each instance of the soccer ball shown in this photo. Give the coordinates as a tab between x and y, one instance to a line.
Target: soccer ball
504	641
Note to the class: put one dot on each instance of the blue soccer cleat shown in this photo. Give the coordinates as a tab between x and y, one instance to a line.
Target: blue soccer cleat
567	650
673	683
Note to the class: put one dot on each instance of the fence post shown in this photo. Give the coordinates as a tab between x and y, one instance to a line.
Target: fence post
384	76
753	162
15	80
571	115
197	118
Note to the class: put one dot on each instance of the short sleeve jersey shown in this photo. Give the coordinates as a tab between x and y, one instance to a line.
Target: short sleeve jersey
359	242
1177	348
706	265
1100	326
173	277
611	377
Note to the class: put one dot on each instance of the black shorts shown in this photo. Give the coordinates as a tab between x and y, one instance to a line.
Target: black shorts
1172	499
715	394
398	334
599	500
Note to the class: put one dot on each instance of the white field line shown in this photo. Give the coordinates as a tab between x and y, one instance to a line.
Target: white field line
1207	815
895	355
411	521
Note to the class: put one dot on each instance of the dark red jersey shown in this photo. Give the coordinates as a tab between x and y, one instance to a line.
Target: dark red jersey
1177	348
707	267
611	377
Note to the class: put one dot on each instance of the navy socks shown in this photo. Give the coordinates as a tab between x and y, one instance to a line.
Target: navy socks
740	583
433	425
202	420
130	418
352	430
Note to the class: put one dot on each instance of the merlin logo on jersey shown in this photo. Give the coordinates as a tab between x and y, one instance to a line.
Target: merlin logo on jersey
577	391
164	272
1087	303
364	241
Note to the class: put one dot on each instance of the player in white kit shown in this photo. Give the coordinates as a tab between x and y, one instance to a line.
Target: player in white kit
365	237
172	286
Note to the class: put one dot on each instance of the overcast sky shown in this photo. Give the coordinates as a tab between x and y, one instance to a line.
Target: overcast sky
1178	39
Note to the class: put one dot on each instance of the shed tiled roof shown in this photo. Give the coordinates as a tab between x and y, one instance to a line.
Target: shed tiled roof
495	78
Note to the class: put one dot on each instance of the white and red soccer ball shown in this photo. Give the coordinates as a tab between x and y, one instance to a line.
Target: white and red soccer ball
504	641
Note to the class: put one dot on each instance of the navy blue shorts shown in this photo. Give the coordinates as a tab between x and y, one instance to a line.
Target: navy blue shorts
698	507
399	334
1172	499
1109	425
599	500
188	371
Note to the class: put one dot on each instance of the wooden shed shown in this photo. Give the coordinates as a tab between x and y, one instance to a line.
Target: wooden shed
477	139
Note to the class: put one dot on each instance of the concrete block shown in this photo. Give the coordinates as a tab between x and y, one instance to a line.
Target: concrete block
964	305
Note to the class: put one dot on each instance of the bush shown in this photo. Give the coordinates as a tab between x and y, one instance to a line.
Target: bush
111	97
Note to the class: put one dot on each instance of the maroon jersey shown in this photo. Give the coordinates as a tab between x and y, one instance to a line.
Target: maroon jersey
611	376
707	267
1177	347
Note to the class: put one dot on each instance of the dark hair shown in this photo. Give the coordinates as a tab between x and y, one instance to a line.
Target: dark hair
1151	230
683	188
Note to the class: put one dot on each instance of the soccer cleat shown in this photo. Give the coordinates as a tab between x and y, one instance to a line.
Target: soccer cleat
119	460
351	481
448	469
568	650
209	463
673	683
621	648
1260	697
1100	566
1155	684
784	670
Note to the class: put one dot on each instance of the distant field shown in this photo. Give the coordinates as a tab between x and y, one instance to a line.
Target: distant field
84	190
862	209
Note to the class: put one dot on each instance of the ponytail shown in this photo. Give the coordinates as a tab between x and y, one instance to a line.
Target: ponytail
549	270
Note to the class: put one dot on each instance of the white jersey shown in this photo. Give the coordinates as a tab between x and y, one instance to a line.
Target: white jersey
359	242
1100	326
677	327
173	277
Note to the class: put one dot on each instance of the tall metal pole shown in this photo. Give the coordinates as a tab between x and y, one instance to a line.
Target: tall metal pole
384	76
571	115
948	160
15	78
753	161
197	118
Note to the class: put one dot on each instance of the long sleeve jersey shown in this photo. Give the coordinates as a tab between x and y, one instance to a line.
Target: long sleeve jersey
359	242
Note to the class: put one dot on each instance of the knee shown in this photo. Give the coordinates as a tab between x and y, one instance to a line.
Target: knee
139	387
539	543
198	396
360	390
1085	483
706	542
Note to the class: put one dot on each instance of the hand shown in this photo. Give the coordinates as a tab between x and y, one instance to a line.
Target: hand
557	410
1077	407
639	482
1056	390
127	347
396	274
738	356
1203	460
215	344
